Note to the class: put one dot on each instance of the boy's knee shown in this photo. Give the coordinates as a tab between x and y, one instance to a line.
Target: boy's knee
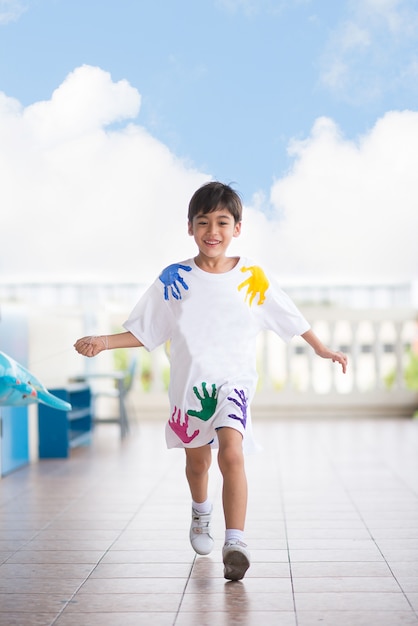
197	465
230	457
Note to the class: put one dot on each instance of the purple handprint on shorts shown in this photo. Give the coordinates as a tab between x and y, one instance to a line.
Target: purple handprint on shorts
241	404
180	428
170	278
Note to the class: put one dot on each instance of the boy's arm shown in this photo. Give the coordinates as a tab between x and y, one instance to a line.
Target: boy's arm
323	351
91	346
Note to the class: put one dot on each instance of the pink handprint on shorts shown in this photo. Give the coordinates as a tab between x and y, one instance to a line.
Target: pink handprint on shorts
180	428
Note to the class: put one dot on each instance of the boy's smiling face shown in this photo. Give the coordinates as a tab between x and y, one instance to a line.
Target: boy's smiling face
213	232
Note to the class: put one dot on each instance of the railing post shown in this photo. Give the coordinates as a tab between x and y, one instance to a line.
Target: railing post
377	354
265	376
332	331
288	367
399	354
355	351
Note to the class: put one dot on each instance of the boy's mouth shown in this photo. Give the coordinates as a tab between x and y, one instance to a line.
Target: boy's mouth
211	242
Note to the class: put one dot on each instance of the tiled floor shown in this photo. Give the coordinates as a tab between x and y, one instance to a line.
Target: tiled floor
102	538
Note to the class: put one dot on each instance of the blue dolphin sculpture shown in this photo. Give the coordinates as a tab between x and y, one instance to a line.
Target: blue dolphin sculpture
18	387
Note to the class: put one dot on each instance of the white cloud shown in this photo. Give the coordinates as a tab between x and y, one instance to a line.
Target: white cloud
367	54
85	102
81	200
351	207
398	16
354	36
11	10
336	75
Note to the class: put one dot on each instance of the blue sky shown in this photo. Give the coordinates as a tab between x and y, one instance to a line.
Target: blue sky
229	87
225	85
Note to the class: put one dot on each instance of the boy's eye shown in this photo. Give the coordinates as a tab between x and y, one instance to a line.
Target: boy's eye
203	222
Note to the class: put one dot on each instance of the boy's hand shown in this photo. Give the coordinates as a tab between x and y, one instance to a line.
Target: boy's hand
323	351
336	357
90	346
340	357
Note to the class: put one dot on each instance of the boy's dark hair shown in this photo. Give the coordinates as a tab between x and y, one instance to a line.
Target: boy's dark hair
213	196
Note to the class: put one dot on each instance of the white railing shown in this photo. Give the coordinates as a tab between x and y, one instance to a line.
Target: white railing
292	379
378	342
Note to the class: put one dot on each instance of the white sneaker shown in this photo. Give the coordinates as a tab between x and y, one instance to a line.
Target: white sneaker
236	560
200	536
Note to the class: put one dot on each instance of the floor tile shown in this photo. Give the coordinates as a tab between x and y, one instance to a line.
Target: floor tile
400	556
31	603
27	619
40	586
124	602
252	585
335	544
141	570
408	583
332	529
234	602
55	556
57	571
4	556
371	554
133	585
345	601
404	569
148	556
342	584
244	618
338	569
125	618
357	618
69	544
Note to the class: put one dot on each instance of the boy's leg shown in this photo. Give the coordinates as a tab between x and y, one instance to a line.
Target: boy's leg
231	464
198	461
236	557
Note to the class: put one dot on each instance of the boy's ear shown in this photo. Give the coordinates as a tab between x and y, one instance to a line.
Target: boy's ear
190	227
237	229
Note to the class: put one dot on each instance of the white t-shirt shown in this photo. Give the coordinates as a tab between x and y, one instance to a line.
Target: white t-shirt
212	322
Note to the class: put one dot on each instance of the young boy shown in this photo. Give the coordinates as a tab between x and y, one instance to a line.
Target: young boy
211	308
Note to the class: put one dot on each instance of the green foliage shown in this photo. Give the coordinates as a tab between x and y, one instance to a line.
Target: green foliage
121	359
389	379
410	373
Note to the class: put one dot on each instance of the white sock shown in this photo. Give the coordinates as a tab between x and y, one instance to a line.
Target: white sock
202	507
233	534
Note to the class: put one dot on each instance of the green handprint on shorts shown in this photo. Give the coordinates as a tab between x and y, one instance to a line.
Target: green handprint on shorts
207	401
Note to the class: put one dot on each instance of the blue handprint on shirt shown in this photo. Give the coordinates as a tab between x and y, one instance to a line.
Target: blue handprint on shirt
170	277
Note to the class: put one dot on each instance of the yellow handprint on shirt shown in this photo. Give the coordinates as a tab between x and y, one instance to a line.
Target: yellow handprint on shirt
257	283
